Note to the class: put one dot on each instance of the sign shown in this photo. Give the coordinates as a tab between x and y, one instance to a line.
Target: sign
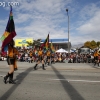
22	42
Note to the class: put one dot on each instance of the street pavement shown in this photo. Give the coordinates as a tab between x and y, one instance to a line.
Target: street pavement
60	81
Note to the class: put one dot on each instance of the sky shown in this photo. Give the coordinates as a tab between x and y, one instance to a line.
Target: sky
36	18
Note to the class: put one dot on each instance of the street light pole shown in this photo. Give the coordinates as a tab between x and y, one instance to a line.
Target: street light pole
68	33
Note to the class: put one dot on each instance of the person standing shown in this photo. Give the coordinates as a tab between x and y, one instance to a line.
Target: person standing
11	54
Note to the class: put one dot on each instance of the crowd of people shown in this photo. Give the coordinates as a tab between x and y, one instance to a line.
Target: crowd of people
31	55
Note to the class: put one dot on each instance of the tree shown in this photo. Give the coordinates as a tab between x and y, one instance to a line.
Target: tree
98	43
87	44
36	43
93	44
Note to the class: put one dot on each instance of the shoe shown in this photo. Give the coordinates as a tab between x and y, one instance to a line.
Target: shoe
5	80
15	69
12	82
44	69
35	68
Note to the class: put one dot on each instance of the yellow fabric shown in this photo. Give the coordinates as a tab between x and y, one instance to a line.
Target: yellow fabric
12	51
30	53
95	54
40	52
48	53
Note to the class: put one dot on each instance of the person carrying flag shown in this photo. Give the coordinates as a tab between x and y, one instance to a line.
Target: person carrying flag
8	45
15	63
48	53
11	57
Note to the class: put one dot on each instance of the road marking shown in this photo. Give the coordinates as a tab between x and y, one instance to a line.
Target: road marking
89	81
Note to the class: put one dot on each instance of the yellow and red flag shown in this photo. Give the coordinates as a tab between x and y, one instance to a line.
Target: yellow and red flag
52	47
46	43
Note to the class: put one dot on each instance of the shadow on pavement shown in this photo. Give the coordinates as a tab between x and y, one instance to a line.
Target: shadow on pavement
20	78
94	66
74	95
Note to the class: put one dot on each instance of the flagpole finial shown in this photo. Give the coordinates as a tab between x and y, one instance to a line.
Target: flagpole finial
10	7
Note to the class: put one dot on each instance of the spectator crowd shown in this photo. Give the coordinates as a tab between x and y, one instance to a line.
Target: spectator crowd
31	55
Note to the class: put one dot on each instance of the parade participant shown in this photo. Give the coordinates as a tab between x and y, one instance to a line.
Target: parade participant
30	55
96	61
48	56
40	59
52	58
15	64
11	54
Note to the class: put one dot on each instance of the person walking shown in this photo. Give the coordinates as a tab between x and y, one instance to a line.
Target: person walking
48	56
30	56
11	55
96	60
40	59
16	58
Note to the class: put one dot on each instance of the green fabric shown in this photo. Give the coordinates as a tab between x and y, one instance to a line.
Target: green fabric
2	38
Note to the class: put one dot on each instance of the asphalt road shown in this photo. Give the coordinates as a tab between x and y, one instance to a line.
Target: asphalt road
60	81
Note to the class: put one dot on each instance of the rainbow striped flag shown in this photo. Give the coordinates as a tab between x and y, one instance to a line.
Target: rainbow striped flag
9	33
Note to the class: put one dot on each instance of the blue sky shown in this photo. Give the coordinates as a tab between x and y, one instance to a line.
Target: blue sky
36	18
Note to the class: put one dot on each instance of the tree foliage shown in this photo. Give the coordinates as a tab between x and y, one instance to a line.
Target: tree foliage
35	43
87	44
92	44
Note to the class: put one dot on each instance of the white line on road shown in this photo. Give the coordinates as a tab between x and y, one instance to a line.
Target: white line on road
75	80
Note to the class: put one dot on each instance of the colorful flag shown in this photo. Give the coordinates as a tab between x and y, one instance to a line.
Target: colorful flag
52	47
46	43
9	33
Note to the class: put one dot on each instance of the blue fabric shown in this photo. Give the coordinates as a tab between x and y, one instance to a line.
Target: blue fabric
6	48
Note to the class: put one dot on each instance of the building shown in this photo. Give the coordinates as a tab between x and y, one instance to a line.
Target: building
59	43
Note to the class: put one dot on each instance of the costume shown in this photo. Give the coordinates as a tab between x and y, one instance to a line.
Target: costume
48	56
96	61
11	58
40	59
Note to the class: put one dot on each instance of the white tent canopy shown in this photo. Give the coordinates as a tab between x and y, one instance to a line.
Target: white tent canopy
62	51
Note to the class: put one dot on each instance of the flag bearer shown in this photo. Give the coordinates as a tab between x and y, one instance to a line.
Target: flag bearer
48	56
10	60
